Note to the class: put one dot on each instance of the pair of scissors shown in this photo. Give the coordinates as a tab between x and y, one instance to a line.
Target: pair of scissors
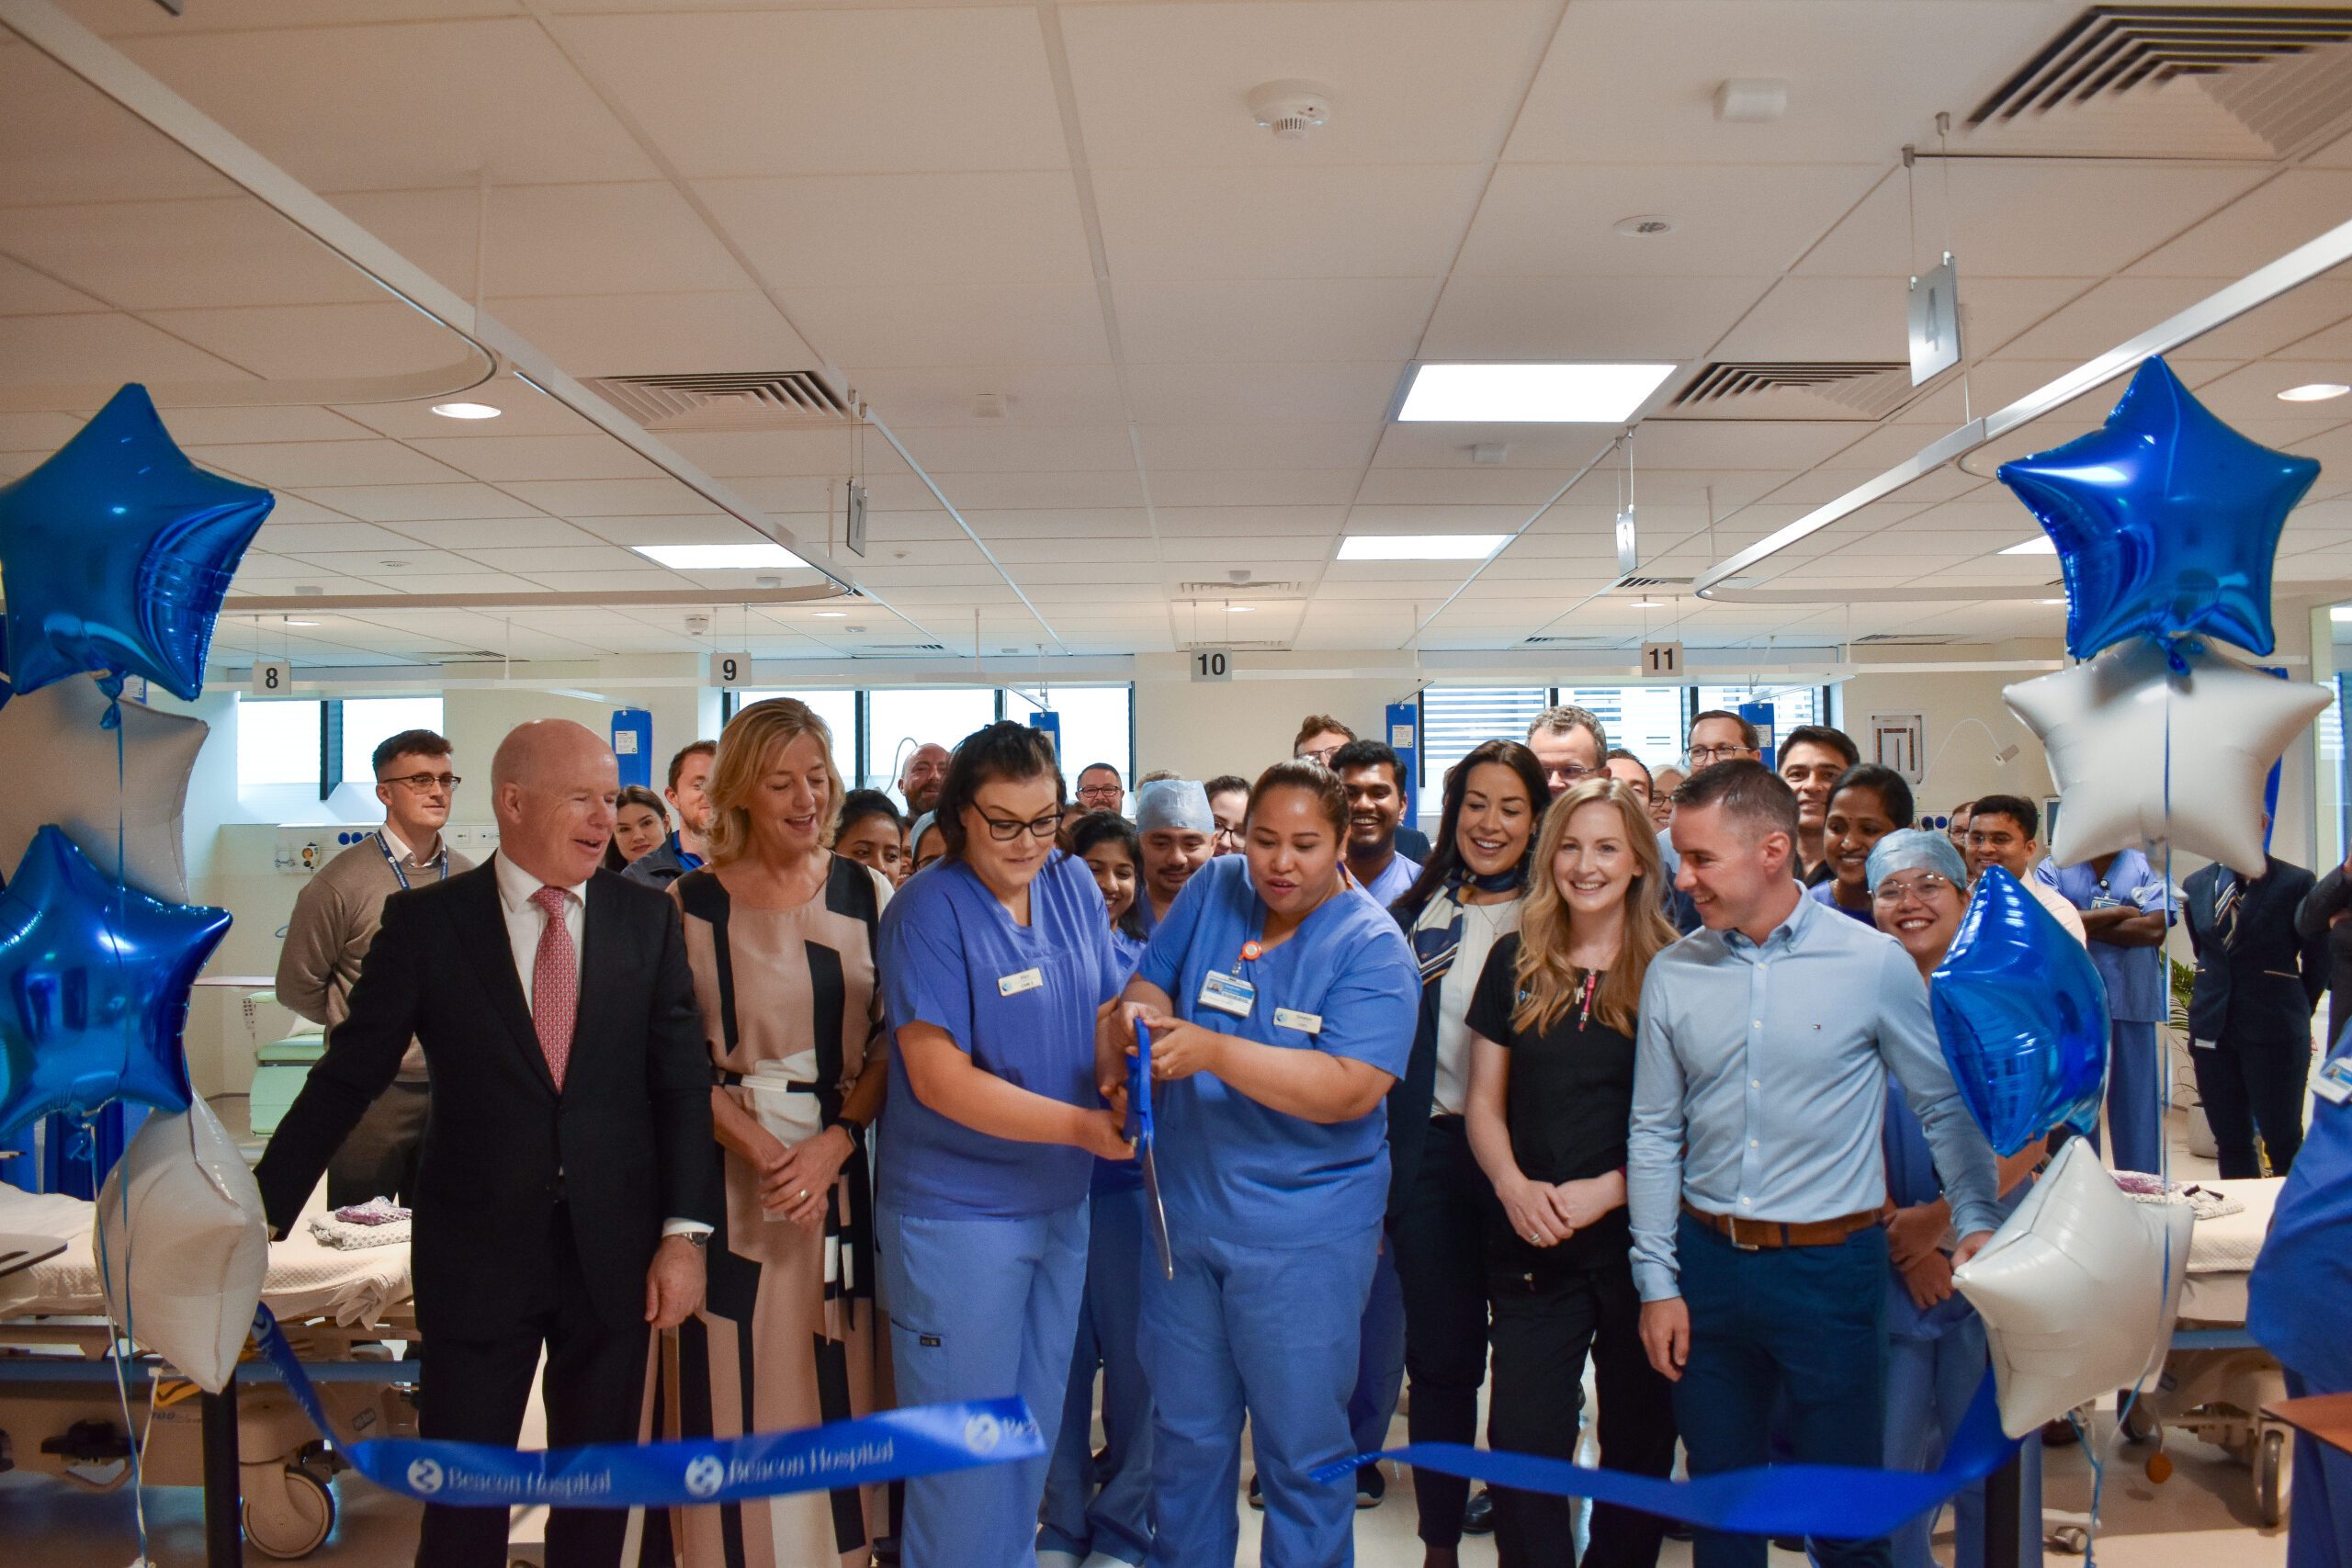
1139	1128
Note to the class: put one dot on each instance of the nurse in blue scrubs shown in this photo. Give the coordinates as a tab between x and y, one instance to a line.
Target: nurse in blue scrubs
996	964
1098	1516
1281	1001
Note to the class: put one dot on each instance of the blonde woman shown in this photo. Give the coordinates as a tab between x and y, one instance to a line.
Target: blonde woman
780	934
1550	1099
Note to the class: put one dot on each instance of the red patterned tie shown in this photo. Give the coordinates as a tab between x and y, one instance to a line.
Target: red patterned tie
555	984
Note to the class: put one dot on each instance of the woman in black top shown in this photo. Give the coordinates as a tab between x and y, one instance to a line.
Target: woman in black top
1551	1095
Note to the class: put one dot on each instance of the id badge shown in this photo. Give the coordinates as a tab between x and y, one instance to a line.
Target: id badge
2197	1044
1026	980
2334	1081
1304	1022
1228	994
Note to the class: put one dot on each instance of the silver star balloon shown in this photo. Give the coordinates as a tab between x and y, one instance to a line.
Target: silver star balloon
73	783
2145	754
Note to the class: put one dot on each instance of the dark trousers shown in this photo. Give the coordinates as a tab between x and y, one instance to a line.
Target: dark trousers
2247	1084
379	1159
1802	1327
1441	1261
473	1389
1544	1326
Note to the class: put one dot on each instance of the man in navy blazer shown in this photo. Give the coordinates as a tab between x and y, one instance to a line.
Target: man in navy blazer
568	1178
2250	1012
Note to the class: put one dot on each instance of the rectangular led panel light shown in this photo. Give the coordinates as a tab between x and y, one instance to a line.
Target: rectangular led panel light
1420	546
722	557
2039	545
1531	394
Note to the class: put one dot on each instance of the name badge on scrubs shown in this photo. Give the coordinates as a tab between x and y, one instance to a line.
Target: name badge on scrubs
2334	1081
1228	994
1013	985
1304	1022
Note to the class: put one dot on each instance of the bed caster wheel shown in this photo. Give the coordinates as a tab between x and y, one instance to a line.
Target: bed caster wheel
2270	1479
2071	1539
2140	1423
291	1519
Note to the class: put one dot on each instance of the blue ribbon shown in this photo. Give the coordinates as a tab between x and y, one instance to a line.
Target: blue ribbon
925	1439
1831	1502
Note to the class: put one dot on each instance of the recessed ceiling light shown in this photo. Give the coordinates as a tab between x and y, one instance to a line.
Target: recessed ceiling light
2314	392
1241	609
1531	394
1649	604
2050	601
721	558
292	621
2039	545
1420	546
467	410
832	614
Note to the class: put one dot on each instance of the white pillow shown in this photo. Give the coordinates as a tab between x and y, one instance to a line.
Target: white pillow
182	1244
2077	1290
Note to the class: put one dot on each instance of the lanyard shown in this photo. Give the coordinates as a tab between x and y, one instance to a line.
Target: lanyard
384	849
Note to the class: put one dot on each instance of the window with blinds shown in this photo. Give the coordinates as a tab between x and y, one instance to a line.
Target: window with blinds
1455	719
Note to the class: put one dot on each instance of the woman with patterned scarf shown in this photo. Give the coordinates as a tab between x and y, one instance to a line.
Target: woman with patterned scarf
1465	898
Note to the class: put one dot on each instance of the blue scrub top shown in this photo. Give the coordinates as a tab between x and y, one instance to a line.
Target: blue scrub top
1393	882
1121	1175
947	945
1231	1167
1826	893
2136	992
2295	1296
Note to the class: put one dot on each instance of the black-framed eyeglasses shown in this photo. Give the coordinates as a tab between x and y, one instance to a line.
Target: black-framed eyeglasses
1702	755
1100	792
423	782
1005	830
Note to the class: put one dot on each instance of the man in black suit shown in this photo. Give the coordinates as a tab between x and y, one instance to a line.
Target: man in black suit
568	1179
2250	1014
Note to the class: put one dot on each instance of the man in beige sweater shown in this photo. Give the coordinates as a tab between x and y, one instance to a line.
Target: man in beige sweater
333	924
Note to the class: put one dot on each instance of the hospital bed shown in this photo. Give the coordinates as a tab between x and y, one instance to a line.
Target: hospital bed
2216	1378
61	1412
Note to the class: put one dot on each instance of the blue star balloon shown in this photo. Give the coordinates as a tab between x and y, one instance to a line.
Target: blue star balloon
94	987
2167	520
2022	1015
115	553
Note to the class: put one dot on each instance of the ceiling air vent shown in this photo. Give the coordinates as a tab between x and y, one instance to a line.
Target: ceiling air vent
2183	81
1645	584
1907	640
749	399
1252	589
1793	389
900	650
1576	642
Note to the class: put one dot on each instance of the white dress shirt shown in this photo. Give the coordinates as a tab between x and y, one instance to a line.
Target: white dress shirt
524	923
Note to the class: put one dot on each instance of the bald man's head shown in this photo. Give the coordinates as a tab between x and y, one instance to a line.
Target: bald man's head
552	784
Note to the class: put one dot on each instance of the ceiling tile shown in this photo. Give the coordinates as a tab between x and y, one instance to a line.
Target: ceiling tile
1228	322
792	92
658	335
1226	223
978	324
345	107
1560	219
498	458
300	464
1653	318
147	256
864	230
417	503
295	342
634	237
78	350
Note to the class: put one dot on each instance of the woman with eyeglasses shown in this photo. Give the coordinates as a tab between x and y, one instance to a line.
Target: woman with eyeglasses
996	962
1464	901
1936	1348
1279	1001
1551	1102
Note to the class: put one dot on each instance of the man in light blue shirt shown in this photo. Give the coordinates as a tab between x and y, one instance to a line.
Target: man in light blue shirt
1755	1176
1374	777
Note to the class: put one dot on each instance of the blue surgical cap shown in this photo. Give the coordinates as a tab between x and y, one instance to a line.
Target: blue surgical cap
1173	803
1915	849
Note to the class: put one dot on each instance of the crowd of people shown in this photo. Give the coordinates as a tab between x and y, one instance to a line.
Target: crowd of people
1627	1065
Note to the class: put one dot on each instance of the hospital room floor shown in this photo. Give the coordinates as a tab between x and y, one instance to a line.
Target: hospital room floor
2203	1515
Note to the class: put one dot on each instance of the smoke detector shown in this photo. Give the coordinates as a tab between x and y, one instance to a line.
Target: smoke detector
696	624
1293	110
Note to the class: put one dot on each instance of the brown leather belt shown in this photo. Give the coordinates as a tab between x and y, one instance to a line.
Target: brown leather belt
1749	1235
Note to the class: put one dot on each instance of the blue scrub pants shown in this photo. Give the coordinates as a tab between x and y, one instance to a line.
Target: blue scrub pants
2318	1520
1928	1385
980	1308
1805	1326
2135	1066
1269	1333
1380	1356
1116	1520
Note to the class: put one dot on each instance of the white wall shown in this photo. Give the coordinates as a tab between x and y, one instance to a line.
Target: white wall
1204	729
1966	722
